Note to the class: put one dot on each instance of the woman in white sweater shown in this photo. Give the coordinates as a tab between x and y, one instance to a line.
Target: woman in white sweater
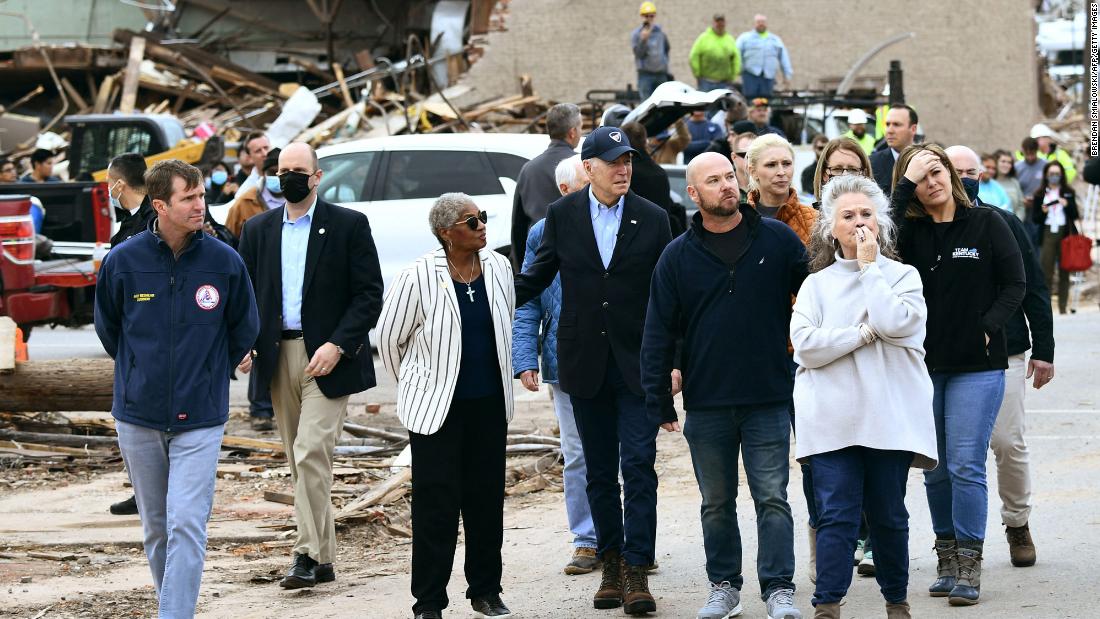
862	391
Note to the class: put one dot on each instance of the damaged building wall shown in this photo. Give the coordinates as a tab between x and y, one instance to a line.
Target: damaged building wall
90	22
971	78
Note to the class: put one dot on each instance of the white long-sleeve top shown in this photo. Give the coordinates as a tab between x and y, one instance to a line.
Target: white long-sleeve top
849	391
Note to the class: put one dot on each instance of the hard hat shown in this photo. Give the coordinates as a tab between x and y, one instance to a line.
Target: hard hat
1041	130
647	8
857	117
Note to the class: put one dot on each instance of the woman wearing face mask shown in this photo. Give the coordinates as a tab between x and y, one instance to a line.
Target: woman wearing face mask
973	277
215	184
1055	212
1005	176
266	195
863	395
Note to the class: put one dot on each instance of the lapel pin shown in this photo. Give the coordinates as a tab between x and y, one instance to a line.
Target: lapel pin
321	231
634	221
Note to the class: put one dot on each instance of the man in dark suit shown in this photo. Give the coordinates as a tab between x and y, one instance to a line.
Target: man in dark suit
605	241
650	181
536	187
901	131
319	291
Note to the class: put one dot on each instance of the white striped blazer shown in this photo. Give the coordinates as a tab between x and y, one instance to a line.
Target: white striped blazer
420	335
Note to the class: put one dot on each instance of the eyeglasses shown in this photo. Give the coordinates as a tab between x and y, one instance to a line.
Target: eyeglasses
842	170
741	153
471	220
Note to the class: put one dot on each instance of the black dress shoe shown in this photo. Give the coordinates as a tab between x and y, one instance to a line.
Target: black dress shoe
429	614
324	573
125	508
262	424
300	574
489	607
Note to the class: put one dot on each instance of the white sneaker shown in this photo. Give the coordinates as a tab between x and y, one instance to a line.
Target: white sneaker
723	602
781	605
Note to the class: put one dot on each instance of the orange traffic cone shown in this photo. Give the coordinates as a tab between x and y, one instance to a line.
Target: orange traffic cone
20	345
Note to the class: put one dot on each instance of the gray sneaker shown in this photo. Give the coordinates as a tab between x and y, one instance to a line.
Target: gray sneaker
723	602
781	605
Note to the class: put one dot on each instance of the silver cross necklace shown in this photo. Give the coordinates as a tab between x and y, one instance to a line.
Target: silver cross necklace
473	265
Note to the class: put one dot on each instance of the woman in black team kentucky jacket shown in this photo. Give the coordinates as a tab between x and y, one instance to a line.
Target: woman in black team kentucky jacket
973	279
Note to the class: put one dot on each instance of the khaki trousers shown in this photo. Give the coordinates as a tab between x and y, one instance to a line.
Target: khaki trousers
1010	448
309	424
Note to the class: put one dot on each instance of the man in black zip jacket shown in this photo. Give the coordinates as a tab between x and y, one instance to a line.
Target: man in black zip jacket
1034	315
724	288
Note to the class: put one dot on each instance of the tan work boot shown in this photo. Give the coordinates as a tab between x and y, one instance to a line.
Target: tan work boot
813	555
827	611
636	597
899	610
610	593
584	560
1020	546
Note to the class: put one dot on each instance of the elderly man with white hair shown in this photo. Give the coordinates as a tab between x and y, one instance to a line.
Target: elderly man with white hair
536	328
1031	326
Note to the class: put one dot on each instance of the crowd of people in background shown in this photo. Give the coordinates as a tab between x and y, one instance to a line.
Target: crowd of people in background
878	305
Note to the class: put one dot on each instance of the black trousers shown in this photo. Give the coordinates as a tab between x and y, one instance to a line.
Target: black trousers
459	470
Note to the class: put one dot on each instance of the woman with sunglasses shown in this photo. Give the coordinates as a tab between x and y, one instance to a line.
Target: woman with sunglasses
445	335
973	276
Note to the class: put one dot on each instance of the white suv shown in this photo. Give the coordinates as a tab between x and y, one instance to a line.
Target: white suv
394	181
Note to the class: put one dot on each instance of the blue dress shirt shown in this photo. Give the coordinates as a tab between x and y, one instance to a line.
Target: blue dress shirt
605	224
295	240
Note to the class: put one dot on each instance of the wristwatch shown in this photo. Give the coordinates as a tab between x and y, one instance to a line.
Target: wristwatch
340	350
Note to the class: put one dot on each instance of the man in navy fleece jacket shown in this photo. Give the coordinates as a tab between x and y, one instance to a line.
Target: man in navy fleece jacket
723	289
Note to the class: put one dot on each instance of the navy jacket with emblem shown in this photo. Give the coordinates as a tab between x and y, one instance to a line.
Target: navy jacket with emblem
176	329
973	276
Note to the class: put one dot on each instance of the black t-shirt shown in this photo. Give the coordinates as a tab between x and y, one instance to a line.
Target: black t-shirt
727	245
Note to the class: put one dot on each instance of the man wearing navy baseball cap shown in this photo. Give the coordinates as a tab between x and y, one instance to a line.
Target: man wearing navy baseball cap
605	241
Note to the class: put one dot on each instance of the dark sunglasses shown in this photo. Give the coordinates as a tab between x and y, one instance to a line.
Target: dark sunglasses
741	153
472	220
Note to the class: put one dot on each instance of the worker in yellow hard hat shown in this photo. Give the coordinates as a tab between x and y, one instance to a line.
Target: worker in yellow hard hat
651	47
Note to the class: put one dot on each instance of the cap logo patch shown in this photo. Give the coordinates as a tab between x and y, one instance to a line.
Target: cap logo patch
615	135
207	297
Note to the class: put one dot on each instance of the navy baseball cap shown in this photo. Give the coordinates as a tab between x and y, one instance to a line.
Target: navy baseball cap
607	143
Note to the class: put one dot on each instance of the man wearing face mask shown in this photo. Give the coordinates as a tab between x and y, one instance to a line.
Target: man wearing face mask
126	185
263	196
319	291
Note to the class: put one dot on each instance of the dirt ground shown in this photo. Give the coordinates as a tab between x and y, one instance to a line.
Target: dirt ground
65	512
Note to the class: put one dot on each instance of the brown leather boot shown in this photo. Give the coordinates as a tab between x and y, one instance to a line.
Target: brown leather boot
898	611
610	593
636	597
1020	545
827	611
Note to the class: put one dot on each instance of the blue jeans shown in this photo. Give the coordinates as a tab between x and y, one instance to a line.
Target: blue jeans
173	476
842	480
753	86
762	433
706	85
616	432
574	475
648	81
965	405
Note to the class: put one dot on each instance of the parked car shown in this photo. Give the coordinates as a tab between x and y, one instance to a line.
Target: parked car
394	181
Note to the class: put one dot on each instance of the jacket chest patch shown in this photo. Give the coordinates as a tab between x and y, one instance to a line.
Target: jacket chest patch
207	297
966	252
